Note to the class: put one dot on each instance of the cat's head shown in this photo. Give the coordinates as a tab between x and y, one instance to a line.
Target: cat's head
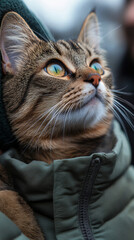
51	89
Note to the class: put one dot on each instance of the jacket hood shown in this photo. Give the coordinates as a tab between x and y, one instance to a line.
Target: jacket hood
7	139
56	191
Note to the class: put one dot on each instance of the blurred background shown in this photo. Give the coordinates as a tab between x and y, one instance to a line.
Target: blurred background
64	19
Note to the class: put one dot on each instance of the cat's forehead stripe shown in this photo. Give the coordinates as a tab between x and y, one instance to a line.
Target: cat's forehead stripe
64	44
74	45
57	49
89	52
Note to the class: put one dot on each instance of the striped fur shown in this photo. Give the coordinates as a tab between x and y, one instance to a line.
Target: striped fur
48	115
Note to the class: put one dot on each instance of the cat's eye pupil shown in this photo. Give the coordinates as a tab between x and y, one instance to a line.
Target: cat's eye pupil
55	69
97	67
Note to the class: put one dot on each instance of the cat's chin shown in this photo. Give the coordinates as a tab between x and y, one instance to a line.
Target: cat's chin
86	116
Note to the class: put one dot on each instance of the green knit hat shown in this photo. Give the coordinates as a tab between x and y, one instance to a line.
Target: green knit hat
7	138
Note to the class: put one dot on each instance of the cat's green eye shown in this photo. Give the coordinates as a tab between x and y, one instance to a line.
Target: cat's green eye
55	69
97	67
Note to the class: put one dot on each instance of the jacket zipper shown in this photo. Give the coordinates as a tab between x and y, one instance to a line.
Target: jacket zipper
85	197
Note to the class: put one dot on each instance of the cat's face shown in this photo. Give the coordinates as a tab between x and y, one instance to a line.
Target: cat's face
53	88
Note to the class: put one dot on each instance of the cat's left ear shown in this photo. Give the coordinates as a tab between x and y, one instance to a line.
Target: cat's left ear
16	39
90	33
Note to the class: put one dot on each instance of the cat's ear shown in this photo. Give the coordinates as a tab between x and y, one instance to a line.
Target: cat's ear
90	33
15	39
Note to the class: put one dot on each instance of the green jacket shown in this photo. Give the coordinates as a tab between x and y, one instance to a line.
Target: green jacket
85	198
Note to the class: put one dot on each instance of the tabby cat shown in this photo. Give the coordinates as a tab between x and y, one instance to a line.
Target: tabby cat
56	94
57	97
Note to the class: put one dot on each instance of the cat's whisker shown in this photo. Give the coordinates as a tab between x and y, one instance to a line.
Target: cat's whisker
125	116
64	124
58	111
123	107
122	93
42	130
111	31
124	101
48	112
119	119
41	36
57	116
47	125
66	116
38	119
121	89
50	121
45	38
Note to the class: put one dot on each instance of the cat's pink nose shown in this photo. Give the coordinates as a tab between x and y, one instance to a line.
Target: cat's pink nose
93	78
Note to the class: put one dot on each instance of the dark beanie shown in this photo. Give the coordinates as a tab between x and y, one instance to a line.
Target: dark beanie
7	139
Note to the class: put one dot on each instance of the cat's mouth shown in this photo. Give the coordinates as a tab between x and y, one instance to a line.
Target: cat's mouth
91	101
86	113
88	110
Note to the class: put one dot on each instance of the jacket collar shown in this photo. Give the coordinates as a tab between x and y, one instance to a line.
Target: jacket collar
33	180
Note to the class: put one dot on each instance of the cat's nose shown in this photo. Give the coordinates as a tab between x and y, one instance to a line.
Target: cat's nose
94	79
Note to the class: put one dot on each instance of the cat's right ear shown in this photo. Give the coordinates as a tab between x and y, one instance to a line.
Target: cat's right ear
16	38
90	33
